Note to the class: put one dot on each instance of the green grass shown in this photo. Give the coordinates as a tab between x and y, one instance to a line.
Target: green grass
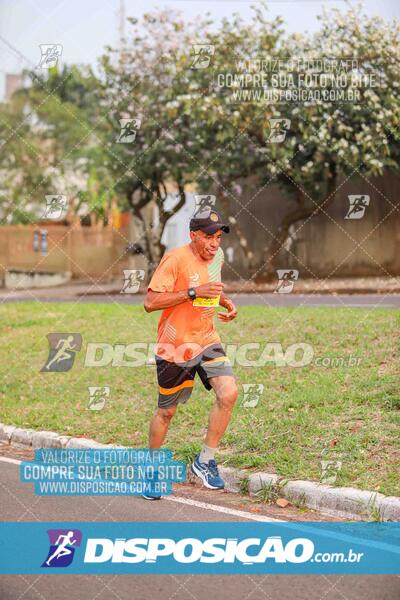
305	415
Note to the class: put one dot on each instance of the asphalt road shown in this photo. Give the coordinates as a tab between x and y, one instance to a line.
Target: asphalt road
189	503
275	300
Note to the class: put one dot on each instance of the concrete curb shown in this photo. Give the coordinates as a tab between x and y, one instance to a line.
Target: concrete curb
343	502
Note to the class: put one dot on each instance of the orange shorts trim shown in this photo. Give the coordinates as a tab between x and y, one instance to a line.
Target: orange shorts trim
181	386
217	359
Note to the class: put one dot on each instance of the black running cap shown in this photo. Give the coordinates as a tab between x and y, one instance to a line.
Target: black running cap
209	224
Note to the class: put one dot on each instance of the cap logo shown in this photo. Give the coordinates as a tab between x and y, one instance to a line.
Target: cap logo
213	217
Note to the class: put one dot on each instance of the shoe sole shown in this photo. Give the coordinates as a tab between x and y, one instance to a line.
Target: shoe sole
205	482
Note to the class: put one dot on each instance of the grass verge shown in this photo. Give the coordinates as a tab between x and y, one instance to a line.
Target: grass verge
344	414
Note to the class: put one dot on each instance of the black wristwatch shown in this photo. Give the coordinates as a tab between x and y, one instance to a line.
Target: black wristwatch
191	293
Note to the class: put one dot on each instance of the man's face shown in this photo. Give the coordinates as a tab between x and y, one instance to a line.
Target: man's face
206	244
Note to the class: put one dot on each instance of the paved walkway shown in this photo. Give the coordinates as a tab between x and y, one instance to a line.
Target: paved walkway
108	293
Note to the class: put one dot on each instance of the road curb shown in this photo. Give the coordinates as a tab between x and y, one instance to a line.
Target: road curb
343	502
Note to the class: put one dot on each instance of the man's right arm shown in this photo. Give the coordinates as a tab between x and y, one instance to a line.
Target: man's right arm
160	300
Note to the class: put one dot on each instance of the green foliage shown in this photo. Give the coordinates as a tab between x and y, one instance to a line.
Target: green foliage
187	452
244	484
64	126
325	138
270	492
52	131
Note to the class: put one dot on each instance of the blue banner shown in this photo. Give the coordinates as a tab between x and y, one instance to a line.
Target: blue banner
200	548
102	472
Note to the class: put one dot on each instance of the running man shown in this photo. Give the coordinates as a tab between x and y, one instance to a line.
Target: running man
287	281
359	205
64	345
187	287
62	550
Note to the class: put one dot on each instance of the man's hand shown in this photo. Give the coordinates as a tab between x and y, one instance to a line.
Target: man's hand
209	290
230	307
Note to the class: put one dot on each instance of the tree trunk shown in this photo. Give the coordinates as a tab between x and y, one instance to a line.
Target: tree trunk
238	231
286	229
138	199
152	235
165	215
282	236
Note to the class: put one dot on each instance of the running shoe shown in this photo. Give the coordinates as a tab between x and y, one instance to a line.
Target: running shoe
208	473
151	496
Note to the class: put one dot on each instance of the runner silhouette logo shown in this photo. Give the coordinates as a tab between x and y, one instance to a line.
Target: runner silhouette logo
63	543
62	349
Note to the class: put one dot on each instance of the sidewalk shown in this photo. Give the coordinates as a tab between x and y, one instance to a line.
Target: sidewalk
336	286
343	502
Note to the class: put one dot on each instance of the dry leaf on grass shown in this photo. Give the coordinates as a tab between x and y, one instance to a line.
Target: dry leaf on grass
282	502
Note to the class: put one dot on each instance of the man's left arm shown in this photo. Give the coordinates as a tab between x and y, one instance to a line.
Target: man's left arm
230	307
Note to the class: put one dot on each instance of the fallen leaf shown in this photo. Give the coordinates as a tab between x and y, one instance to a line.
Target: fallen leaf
383	368
356	427
282	502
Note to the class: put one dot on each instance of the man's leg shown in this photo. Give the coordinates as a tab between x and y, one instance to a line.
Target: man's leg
159	426
157	431
226	394
204	465
175	385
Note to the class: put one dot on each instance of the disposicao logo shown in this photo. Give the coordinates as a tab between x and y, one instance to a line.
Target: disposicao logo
62	547
190	550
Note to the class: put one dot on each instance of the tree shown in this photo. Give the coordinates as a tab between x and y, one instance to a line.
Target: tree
23	165
234	133
338	138
148	86
182	127
54	142
326	138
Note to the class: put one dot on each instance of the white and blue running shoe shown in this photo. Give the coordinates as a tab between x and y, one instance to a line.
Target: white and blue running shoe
150	496
208	473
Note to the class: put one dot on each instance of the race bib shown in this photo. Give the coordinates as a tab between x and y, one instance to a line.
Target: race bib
206	302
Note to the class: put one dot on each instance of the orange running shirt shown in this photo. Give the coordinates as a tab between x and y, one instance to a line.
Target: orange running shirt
185	330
